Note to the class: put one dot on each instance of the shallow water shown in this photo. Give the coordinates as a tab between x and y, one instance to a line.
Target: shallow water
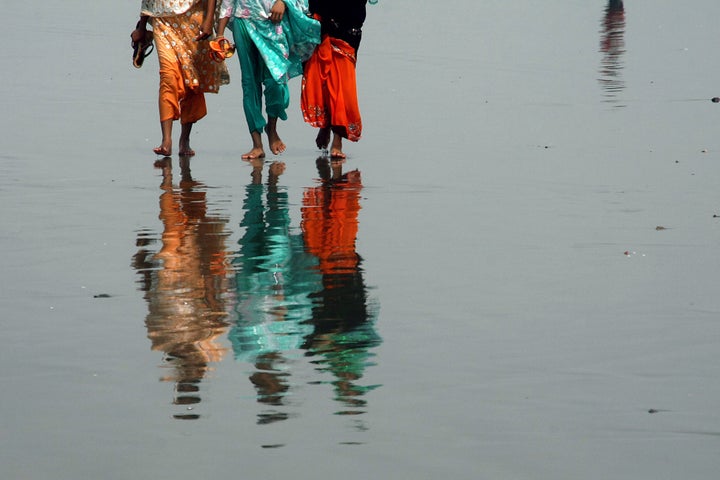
518	283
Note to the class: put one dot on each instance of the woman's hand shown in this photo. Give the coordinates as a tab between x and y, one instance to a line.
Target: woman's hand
138	34
277	11
206	29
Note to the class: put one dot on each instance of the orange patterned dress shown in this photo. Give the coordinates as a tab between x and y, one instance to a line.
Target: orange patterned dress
186	69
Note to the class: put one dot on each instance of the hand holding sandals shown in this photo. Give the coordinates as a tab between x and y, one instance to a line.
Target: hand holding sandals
141	42
206	29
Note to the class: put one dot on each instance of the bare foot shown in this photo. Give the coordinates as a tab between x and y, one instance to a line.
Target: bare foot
323	138
256	152
185	149
163	150
337	153
184	144
336	149
277	146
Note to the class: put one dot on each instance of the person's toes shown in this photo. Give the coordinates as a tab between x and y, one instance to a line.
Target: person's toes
252	154
162	151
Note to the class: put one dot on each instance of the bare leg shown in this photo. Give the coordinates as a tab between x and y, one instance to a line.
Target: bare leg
257	150
323	138
165	148
336	148
276	145
185	149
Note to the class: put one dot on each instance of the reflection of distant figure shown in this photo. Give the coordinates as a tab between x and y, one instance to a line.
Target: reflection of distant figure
274	278
342	317
184	284
612	45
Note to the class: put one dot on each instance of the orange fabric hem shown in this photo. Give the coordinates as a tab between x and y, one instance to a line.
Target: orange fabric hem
329	89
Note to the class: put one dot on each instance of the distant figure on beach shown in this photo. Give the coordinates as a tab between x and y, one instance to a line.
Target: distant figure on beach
181	29
273	38
329	90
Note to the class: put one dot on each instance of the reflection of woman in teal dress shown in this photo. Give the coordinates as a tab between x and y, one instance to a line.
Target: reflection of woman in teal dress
274	279
303	294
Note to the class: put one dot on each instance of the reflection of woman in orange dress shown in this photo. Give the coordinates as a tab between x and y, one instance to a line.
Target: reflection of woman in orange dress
330	223
184	286
343	316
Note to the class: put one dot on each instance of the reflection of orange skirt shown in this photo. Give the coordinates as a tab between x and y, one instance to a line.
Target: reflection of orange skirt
330	225
329	91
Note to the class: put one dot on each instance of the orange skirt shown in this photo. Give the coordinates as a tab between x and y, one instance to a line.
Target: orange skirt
186	70
329	90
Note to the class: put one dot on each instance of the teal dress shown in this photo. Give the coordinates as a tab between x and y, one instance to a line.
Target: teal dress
270	54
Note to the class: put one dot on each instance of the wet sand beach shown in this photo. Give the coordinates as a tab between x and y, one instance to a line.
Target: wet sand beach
512	276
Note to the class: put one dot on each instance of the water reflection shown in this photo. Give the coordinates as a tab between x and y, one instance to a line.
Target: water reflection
612	46
342	317
184	284
273	280
301	294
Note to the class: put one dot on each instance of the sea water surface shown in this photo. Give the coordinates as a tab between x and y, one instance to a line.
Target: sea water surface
513	275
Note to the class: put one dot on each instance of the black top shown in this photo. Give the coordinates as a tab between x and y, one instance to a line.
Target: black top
341	19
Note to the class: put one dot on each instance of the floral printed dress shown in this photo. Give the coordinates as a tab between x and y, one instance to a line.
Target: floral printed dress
176	23
282	46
